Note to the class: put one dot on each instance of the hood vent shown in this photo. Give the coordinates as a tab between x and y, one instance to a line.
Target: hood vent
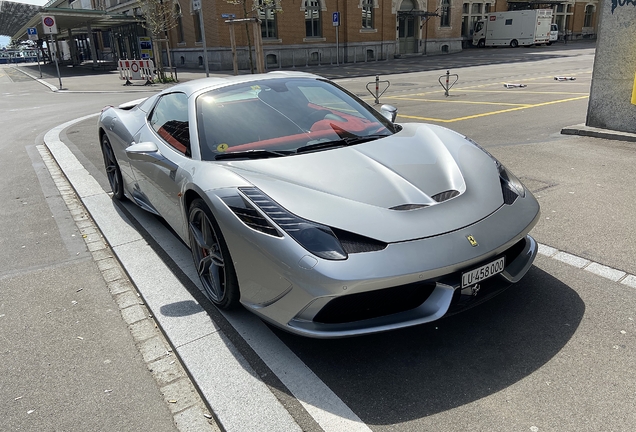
445	196
405	207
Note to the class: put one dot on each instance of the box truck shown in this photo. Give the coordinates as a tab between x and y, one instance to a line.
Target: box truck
513	28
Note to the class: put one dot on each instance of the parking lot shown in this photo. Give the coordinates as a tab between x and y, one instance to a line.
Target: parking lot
554	353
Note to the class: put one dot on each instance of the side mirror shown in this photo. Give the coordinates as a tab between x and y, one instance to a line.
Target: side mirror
149	152
390	112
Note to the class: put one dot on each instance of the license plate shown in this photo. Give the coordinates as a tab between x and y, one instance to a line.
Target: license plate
484	272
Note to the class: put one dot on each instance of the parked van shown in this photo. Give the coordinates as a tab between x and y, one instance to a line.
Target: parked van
554	33
513	28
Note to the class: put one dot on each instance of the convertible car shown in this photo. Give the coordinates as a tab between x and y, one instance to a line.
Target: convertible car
316	212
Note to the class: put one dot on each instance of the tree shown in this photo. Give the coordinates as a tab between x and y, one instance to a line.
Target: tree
160	17
255	9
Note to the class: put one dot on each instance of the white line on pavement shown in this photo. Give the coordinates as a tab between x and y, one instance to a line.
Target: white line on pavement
235	393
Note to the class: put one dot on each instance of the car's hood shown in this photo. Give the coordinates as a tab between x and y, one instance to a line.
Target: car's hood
365	188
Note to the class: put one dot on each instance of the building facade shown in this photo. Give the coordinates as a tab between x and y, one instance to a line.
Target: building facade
298	33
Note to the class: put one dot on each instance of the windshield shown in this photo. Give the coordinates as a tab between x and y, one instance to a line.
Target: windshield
281	116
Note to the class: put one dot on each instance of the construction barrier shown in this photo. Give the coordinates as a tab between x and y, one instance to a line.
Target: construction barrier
136	70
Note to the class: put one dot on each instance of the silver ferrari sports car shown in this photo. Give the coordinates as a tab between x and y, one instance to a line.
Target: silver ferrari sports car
316	212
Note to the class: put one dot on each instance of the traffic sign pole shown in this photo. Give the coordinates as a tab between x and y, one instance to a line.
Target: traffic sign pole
59	77
335	19
33	35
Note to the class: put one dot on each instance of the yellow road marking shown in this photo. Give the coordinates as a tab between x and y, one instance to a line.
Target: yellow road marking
492	112
462	102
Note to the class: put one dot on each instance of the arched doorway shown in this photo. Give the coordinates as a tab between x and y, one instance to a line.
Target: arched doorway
407	25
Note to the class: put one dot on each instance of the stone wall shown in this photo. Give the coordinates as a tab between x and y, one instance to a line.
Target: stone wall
610	104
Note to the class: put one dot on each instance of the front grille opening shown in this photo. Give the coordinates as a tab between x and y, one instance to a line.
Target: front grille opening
515	250
354	243
374	304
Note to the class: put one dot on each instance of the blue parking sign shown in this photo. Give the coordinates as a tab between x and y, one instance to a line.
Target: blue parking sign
32	32
336	19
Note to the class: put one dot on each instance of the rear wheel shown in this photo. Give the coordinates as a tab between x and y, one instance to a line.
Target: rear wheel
514	43
212	257
112	169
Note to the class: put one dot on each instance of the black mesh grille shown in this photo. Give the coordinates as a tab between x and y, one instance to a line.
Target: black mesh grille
445	196
254	220
509	195
374	304
405	207
354	243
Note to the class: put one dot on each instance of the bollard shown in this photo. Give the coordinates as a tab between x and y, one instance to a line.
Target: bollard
377	93
448	85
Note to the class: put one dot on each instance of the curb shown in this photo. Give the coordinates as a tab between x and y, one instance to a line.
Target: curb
583	130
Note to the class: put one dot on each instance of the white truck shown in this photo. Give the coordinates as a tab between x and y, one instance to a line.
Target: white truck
513	28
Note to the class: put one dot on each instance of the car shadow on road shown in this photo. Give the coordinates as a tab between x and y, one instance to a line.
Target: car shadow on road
417	372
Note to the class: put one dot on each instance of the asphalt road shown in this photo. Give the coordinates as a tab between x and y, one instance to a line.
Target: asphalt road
553	353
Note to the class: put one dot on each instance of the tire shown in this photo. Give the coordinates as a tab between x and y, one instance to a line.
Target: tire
212	257
549	43
112	169
514	43
481	43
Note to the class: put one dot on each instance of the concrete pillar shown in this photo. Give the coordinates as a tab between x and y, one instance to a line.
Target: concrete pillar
72	46
91	41
610	105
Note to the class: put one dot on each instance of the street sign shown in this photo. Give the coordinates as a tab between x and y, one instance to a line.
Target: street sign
33	33
48	24
336	19
228	16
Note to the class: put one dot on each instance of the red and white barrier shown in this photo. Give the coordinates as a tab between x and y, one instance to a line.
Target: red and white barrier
136	70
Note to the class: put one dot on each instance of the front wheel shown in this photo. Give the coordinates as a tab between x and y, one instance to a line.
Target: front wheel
112	169
212	257
514	43
481	43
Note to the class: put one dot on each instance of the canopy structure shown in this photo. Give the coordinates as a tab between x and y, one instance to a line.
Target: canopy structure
76	20
13	16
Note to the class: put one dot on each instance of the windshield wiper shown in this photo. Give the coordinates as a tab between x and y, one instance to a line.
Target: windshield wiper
341	142
252	154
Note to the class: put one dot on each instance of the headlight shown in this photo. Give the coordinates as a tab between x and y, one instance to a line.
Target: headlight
316	238
508	179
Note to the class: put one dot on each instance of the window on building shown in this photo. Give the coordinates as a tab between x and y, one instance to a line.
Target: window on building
312	18
445	13
471	13
267	15
367	14
587	21
197	27
177	12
